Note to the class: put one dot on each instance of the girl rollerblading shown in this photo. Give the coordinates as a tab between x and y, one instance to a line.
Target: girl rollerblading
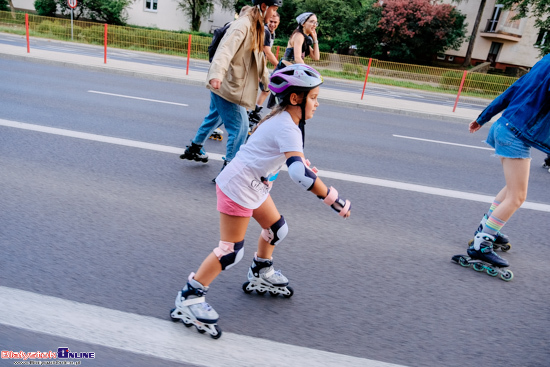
243	192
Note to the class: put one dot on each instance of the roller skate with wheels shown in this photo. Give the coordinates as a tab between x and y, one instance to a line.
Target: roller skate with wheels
254	116
485	259
216	134
501	240
191	309
262	278
194	152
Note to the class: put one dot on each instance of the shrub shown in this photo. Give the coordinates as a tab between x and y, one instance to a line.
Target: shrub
46	8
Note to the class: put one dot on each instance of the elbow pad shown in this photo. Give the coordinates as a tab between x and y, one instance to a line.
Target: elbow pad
300	173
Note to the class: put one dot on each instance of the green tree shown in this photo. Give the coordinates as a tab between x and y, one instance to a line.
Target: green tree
539	9
108	11
409	30
4	5
335	18
46	8
198	9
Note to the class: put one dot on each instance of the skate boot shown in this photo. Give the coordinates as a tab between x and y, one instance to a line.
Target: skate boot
484	259
194	152
254	116
501	240
216	135
263	278
191	309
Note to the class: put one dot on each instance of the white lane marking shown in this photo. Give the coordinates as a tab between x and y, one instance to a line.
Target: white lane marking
141	99
154	337
335	175
442	142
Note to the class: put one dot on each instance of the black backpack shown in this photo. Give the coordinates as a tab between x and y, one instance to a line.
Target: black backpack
218	35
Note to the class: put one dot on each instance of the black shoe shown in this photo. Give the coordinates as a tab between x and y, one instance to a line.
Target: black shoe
194	152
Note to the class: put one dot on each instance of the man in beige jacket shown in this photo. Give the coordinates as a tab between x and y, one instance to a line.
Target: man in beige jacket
233	80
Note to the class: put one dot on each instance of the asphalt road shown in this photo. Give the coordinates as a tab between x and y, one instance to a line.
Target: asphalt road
200	65
121	227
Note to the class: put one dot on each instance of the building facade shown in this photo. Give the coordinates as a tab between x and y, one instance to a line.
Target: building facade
501	40
161	14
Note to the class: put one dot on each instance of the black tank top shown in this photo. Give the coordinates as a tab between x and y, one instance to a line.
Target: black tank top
289	53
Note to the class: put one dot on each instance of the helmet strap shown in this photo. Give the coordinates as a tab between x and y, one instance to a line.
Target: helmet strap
302	123
260	9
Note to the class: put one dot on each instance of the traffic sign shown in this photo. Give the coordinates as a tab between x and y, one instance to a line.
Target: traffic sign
72	3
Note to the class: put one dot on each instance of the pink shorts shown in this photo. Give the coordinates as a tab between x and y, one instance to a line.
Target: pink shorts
229	207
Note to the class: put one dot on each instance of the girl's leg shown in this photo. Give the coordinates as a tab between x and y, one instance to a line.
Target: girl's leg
516	173
232	229
266	215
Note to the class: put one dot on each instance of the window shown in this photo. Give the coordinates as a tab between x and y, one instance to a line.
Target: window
543	36
151	5
512	23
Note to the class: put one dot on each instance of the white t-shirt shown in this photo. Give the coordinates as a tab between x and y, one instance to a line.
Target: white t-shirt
260	158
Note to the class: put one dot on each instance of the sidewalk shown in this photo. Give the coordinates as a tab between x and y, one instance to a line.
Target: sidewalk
163	73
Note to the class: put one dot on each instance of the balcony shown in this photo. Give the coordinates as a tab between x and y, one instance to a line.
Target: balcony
492	31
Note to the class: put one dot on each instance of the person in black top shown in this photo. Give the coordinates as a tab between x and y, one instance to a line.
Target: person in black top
303	42
254	115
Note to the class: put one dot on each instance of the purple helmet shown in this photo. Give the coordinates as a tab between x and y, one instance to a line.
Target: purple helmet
294	79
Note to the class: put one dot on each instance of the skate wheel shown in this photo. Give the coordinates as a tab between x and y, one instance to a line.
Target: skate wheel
245	290
506	247
174	319
261	293
217	336
478	267
492	272
507	275
200	330
273	294
461	260
291	292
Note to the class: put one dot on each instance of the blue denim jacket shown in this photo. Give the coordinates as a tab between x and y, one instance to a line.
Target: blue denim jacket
526	105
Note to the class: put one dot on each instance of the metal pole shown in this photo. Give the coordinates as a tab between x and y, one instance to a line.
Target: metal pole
72	24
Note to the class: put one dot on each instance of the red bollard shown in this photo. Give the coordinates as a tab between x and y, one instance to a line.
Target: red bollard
366	78
188	54
460	88
105	45
27	31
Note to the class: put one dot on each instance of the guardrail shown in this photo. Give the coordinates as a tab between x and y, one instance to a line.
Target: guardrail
194	46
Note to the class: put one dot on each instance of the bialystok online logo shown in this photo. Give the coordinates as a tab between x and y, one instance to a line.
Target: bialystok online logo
63	355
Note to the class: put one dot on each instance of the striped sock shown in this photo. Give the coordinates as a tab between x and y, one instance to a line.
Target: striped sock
493	207
493	225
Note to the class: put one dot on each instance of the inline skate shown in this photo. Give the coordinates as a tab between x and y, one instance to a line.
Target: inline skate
262	278
194	152
501	240
216	134
485	259
191	309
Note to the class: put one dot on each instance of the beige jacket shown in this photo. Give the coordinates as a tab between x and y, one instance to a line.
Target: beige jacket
238	66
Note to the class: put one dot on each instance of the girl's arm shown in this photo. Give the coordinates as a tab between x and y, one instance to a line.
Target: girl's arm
298	40
303	175
314	52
